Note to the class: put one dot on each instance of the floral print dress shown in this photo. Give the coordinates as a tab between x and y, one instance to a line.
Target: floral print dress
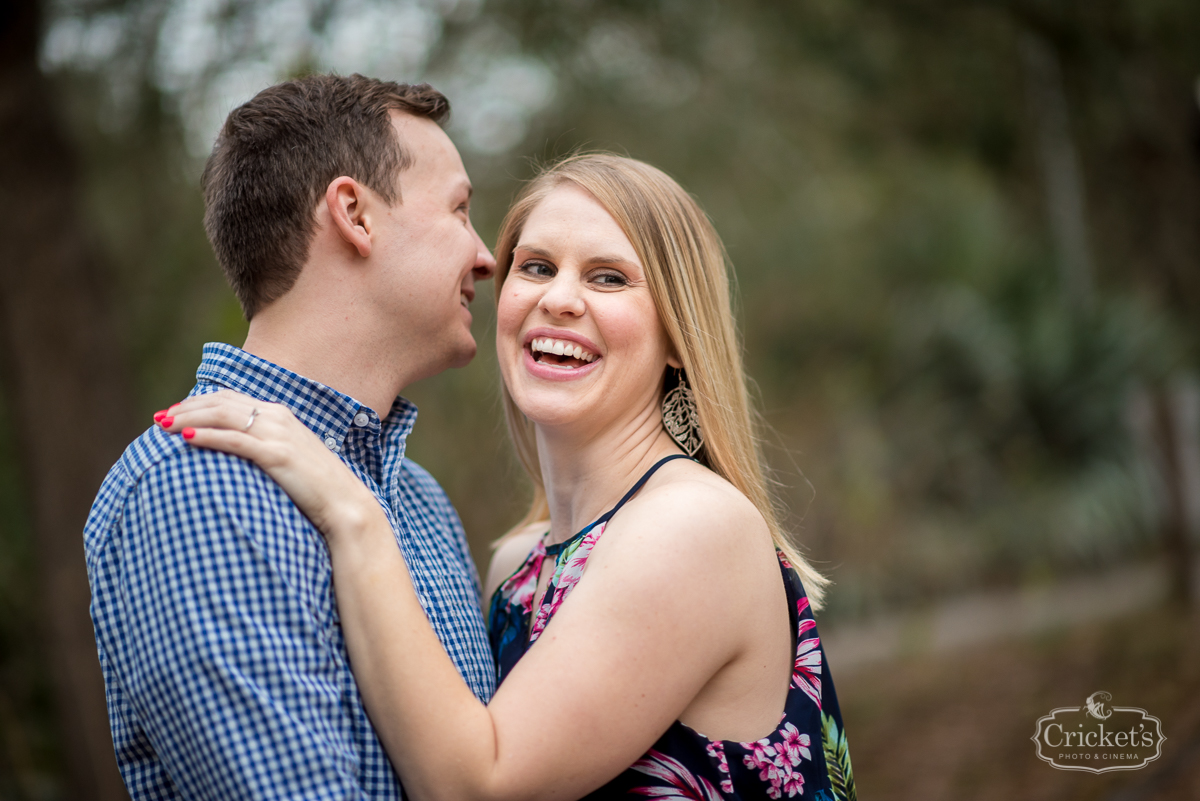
805	757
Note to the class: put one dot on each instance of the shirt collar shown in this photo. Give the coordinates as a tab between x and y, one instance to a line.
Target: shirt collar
329	413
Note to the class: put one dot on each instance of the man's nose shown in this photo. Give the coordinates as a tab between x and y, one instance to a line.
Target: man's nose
485	263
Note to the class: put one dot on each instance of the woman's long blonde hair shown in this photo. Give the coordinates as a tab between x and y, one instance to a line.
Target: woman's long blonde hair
687	271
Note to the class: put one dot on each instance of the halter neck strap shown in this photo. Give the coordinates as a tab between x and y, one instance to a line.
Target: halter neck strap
553	550
640	483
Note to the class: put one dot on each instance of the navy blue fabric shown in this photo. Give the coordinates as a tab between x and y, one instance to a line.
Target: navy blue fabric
223	657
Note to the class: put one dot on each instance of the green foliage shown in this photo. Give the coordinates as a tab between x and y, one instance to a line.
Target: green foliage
837	760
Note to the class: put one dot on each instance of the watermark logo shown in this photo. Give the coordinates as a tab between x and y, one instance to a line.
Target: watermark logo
1098	737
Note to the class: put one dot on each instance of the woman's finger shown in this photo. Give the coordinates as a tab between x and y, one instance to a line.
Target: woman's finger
225	441
221	409
224	397
226	415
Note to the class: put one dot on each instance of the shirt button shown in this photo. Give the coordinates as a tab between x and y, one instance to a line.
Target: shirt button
361	419
331	443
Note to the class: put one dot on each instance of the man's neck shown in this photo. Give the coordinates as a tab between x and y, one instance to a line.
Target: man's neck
321	351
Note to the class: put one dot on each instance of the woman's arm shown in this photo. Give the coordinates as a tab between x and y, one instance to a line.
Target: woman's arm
635	643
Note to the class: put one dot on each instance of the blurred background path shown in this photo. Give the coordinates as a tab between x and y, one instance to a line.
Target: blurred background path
963	622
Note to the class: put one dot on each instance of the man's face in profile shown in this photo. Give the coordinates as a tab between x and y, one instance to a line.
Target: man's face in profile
431	253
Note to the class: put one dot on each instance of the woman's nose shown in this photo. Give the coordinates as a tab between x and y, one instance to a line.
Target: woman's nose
562	296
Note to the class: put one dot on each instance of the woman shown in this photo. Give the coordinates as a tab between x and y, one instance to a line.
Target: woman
660	600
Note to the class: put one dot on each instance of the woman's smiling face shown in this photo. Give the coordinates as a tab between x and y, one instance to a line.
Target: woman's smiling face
577	335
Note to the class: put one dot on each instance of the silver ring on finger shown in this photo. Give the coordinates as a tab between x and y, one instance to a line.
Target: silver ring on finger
250	422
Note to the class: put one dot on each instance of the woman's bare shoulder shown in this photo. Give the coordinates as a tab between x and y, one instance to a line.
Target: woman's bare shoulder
692	548
699	516
509	553
698	499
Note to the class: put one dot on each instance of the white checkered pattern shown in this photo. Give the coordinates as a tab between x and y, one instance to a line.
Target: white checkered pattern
223	659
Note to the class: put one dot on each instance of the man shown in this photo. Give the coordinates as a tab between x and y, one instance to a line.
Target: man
338	210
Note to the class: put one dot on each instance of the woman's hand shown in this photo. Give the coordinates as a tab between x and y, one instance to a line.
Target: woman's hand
269	435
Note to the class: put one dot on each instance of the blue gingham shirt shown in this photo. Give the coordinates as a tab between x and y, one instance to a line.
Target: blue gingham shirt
223	658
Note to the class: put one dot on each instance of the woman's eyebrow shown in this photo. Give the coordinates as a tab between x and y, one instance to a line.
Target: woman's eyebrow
545	254
611	260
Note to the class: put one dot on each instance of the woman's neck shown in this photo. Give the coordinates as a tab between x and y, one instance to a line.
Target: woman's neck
586	472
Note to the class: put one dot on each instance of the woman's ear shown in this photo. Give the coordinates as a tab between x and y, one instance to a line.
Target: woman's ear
348	203
673	360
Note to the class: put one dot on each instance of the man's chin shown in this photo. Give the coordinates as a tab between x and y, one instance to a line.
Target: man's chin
440	357
464	354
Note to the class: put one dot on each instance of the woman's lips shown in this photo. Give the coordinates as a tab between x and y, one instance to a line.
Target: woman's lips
554	372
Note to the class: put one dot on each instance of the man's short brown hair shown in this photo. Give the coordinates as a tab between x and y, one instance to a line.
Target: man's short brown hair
276	155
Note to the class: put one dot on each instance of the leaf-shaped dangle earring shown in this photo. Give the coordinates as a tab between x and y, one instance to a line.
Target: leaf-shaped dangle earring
680	418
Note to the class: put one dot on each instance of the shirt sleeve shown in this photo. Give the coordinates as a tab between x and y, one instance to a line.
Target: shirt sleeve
238	680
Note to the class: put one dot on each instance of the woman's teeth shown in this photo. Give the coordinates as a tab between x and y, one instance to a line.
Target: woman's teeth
560	347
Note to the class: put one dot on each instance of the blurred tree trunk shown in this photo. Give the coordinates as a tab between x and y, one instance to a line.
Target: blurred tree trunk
1168	435
1065	200
64	383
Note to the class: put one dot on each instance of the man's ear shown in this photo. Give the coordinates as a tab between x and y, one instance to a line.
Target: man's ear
348	203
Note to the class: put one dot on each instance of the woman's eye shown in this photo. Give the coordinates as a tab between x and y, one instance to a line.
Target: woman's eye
610	279
537	268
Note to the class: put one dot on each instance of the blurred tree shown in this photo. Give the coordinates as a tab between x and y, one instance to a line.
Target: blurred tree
66	388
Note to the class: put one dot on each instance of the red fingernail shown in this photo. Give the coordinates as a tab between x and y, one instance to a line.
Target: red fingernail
158	416
167	421
188	433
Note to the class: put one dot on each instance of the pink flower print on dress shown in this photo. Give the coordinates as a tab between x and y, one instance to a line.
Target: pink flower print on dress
570	570
521	585
793	745
717	751
807	672
791	782
762	758
681	783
